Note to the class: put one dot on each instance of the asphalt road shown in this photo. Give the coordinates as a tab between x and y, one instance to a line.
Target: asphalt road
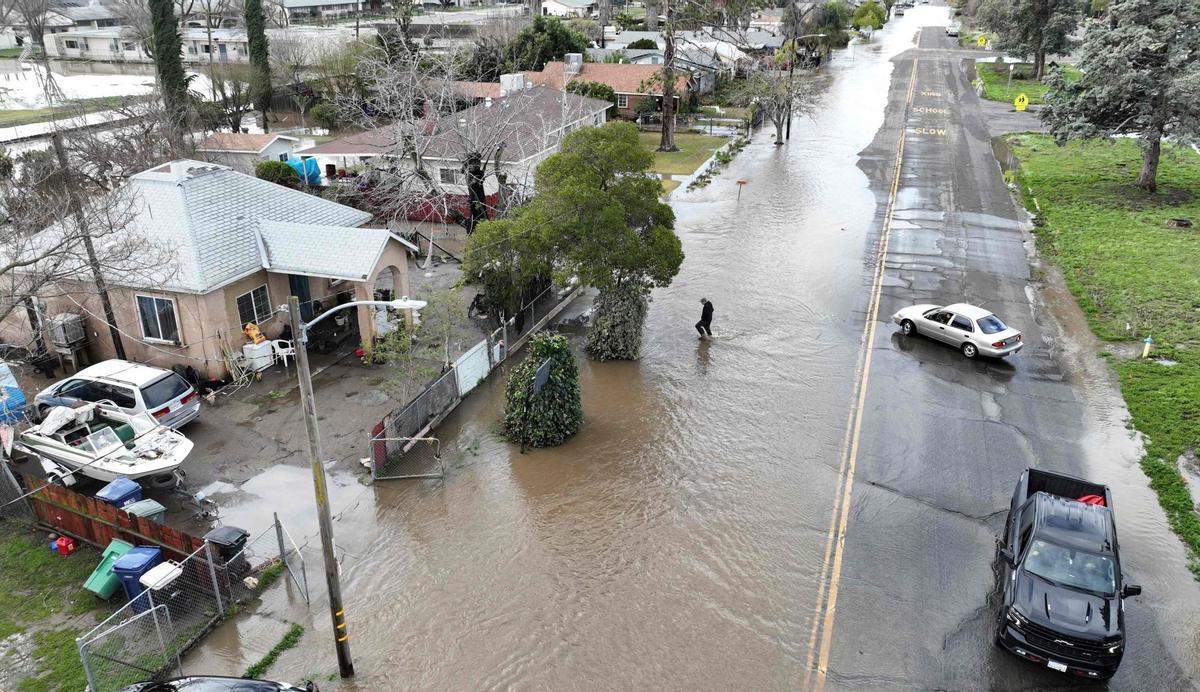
937	442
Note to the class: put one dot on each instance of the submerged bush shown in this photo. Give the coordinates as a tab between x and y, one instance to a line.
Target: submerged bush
556	413
616	331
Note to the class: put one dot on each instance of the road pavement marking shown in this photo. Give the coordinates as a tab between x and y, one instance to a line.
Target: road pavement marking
840	515
928	109
936	131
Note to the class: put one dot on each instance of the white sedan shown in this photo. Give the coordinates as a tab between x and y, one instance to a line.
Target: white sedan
972	330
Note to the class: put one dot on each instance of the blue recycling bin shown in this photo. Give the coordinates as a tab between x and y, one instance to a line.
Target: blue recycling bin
120	492
130	568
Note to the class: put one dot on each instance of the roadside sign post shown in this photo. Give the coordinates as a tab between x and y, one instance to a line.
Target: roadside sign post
981	41
1020	102
1010	73
540	378
741	184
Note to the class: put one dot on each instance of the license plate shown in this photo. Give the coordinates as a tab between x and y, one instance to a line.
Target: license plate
1055	665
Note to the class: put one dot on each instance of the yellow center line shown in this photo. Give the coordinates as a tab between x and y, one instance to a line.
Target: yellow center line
840	513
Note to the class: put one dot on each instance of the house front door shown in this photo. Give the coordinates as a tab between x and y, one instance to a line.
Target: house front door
299	287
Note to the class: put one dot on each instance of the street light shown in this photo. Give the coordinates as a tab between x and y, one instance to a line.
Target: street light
792	69
307	402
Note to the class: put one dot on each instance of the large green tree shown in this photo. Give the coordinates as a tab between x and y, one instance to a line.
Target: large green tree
546	40
260	57
1141	76
168	58
1032	28
597	216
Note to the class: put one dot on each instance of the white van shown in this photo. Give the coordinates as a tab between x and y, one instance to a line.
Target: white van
133	387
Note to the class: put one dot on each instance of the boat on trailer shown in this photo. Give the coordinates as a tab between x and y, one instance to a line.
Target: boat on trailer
102	442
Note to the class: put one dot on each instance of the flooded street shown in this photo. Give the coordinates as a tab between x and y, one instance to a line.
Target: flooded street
682	539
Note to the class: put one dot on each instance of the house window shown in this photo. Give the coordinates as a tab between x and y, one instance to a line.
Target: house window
622	101
450	176
283	156
254	306
72	44
127	46
157	316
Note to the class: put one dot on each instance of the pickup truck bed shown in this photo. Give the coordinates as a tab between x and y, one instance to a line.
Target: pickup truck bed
1034	481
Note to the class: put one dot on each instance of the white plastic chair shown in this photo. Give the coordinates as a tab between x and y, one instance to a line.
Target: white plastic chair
283	349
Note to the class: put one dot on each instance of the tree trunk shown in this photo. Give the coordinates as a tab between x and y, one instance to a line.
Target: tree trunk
667	143
652	15
1151	150
535	7
476	196
1039	64
779	121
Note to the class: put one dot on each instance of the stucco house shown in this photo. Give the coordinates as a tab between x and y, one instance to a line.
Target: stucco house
241	151
239	246
569	8
631	83
527	124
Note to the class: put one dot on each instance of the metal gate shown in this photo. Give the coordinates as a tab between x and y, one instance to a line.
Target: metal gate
408	457
129	650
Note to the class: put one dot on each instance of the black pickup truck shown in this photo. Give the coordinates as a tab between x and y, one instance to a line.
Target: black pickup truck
1063	592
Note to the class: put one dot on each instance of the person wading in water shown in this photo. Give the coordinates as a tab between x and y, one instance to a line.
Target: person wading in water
704	326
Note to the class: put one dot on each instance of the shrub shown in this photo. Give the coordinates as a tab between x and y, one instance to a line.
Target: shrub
556	413
276	172
325	115
869	14
616	331
643	44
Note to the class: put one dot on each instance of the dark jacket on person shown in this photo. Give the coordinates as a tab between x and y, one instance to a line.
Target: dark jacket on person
706	314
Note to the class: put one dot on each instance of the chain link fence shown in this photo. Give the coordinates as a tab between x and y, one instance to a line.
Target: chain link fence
13	503
146	638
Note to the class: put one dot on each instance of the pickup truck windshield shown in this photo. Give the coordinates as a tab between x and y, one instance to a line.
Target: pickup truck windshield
1069	567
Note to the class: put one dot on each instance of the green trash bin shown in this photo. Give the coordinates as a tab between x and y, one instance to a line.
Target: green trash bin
148	509
102	581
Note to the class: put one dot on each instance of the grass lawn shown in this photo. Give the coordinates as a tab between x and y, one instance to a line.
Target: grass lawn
12	118
694	150
669	184
40	591
995	81
735	112
1125	266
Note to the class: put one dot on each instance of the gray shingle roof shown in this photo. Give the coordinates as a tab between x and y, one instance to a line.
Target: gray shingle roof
333	251
210	213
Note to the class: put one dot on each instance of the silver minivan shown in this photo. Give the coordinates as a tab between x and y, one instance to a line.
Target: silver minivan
133	387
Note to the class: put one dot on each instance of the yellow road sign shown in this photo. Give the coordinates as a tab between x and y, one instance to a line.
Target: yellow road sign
1020	102
981	41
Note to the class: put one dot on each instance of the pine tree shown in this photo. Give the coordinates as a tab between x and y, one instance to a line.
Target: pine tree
256	37
168	58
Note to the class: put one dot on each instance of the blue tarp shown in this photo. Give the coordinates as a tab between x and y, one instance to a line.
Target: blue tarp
12	400
307	169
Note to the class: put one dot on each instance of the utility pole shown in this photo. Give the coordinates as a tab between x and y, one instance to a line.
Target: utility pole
76	206
332	579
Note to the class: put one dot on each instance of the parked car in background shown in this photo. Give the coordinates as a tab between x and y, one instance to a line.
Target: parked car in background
132	387
952	29
968	328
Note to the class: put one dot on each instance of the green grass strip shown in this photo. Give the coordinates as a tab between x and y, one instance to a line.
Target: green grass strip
1134	276
289	640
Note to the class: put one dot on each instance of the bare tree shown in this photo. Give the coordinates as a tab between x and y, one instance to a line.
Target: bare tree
431	147
136	14
276	13
232	84
290	58
212	11
780	94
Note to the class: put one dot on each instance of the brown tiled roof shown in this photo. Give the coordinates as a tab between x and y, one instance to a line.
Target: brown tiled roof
238	142
479	90
623	78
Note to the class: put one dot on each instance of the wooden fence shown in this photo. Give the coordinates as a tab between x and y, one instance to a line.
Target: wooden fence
88	519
